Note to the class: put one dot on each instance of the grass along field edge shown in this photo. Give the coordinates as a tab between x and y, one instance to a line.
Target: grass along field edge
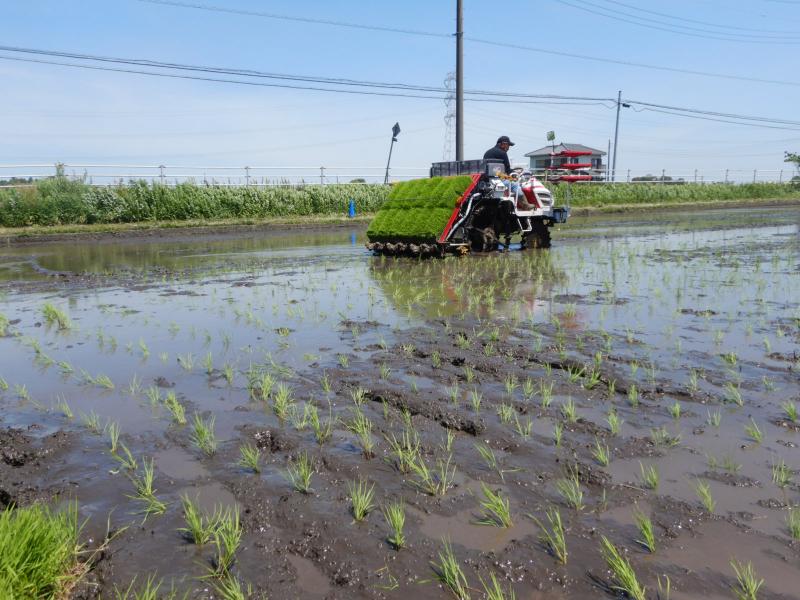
43	233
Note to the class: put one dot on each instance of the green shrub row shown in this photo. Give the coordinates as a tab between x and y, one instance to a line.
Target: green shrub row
61	201
588	195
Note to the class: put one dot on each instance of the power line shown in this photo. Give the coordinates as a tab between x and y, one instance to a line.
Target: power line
279	17
520	100
713	113
791	34
284	76
669	27
399	90
628	63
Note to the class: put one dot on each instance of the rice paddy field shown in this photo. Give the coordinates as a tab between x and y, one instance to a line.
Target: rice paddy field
287	416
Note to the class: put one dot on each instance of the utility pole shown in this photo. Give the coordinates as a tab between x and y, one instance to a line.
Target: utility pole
616	138
620	104
460	80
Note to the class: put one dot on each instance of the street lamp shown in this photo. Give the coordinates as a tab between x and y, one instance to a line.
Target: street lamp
395	133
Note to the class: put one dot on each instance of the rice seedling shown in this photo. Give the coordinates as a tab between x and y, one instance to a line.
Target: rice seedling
322	431
395	515
92	422
145	493
175	408
612	388
703	491
344	361
645	527
299	473
153	394
358	395
199	528
505	412
523	428
21	390
781	474
793	523
227	537
361	499
714	419
601	453
250	457
449	573
4	323
558	433
404	450
633	396
150	590
55	316
511	384
230	588
592	380
463	341
768	384
326	383
39	551
186	361
614	422
3	385
675	410
693	381
385	371
624	575
493	590
747	582
546	391
553	537
433	483
569	411
104	381
790	410
649	476
64	408
469	373
362	427
454	392
475	399
125	458
496	509
282	401
569	488
733	394
753	432
662	437
113	436
408	350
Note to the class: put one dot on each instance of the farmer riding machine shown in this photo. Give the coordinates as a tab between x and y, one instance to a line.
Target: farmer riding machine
463	206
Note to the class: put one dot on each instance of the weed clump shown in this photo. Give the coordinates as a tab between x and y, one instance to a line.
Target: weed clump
38	551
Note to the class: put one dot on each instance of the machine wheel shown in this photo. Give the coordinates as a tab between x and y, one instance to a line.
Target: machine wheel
538	237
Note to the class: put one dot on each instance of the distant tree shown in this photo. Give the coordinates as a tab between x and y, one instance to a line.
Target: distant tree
793	157
16	181
652	178
358	180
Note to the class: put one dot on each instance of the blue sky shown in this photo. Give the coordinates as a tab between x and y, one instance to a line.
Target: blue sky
55	113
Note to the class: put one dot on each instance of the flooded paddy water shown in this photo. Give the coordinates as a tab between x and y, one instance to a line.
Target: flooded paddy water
645	365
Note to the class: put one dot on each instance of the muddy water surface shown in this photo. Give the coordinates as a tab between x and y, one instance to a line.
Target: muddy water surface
683	326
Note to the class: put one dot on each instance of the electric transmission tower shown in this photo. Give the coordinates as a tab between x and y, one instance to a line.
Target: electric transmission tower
449	116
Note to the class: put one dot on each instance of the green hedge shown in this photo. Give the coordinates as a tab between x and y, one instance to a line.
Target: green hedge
60	201
606	194
418	210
